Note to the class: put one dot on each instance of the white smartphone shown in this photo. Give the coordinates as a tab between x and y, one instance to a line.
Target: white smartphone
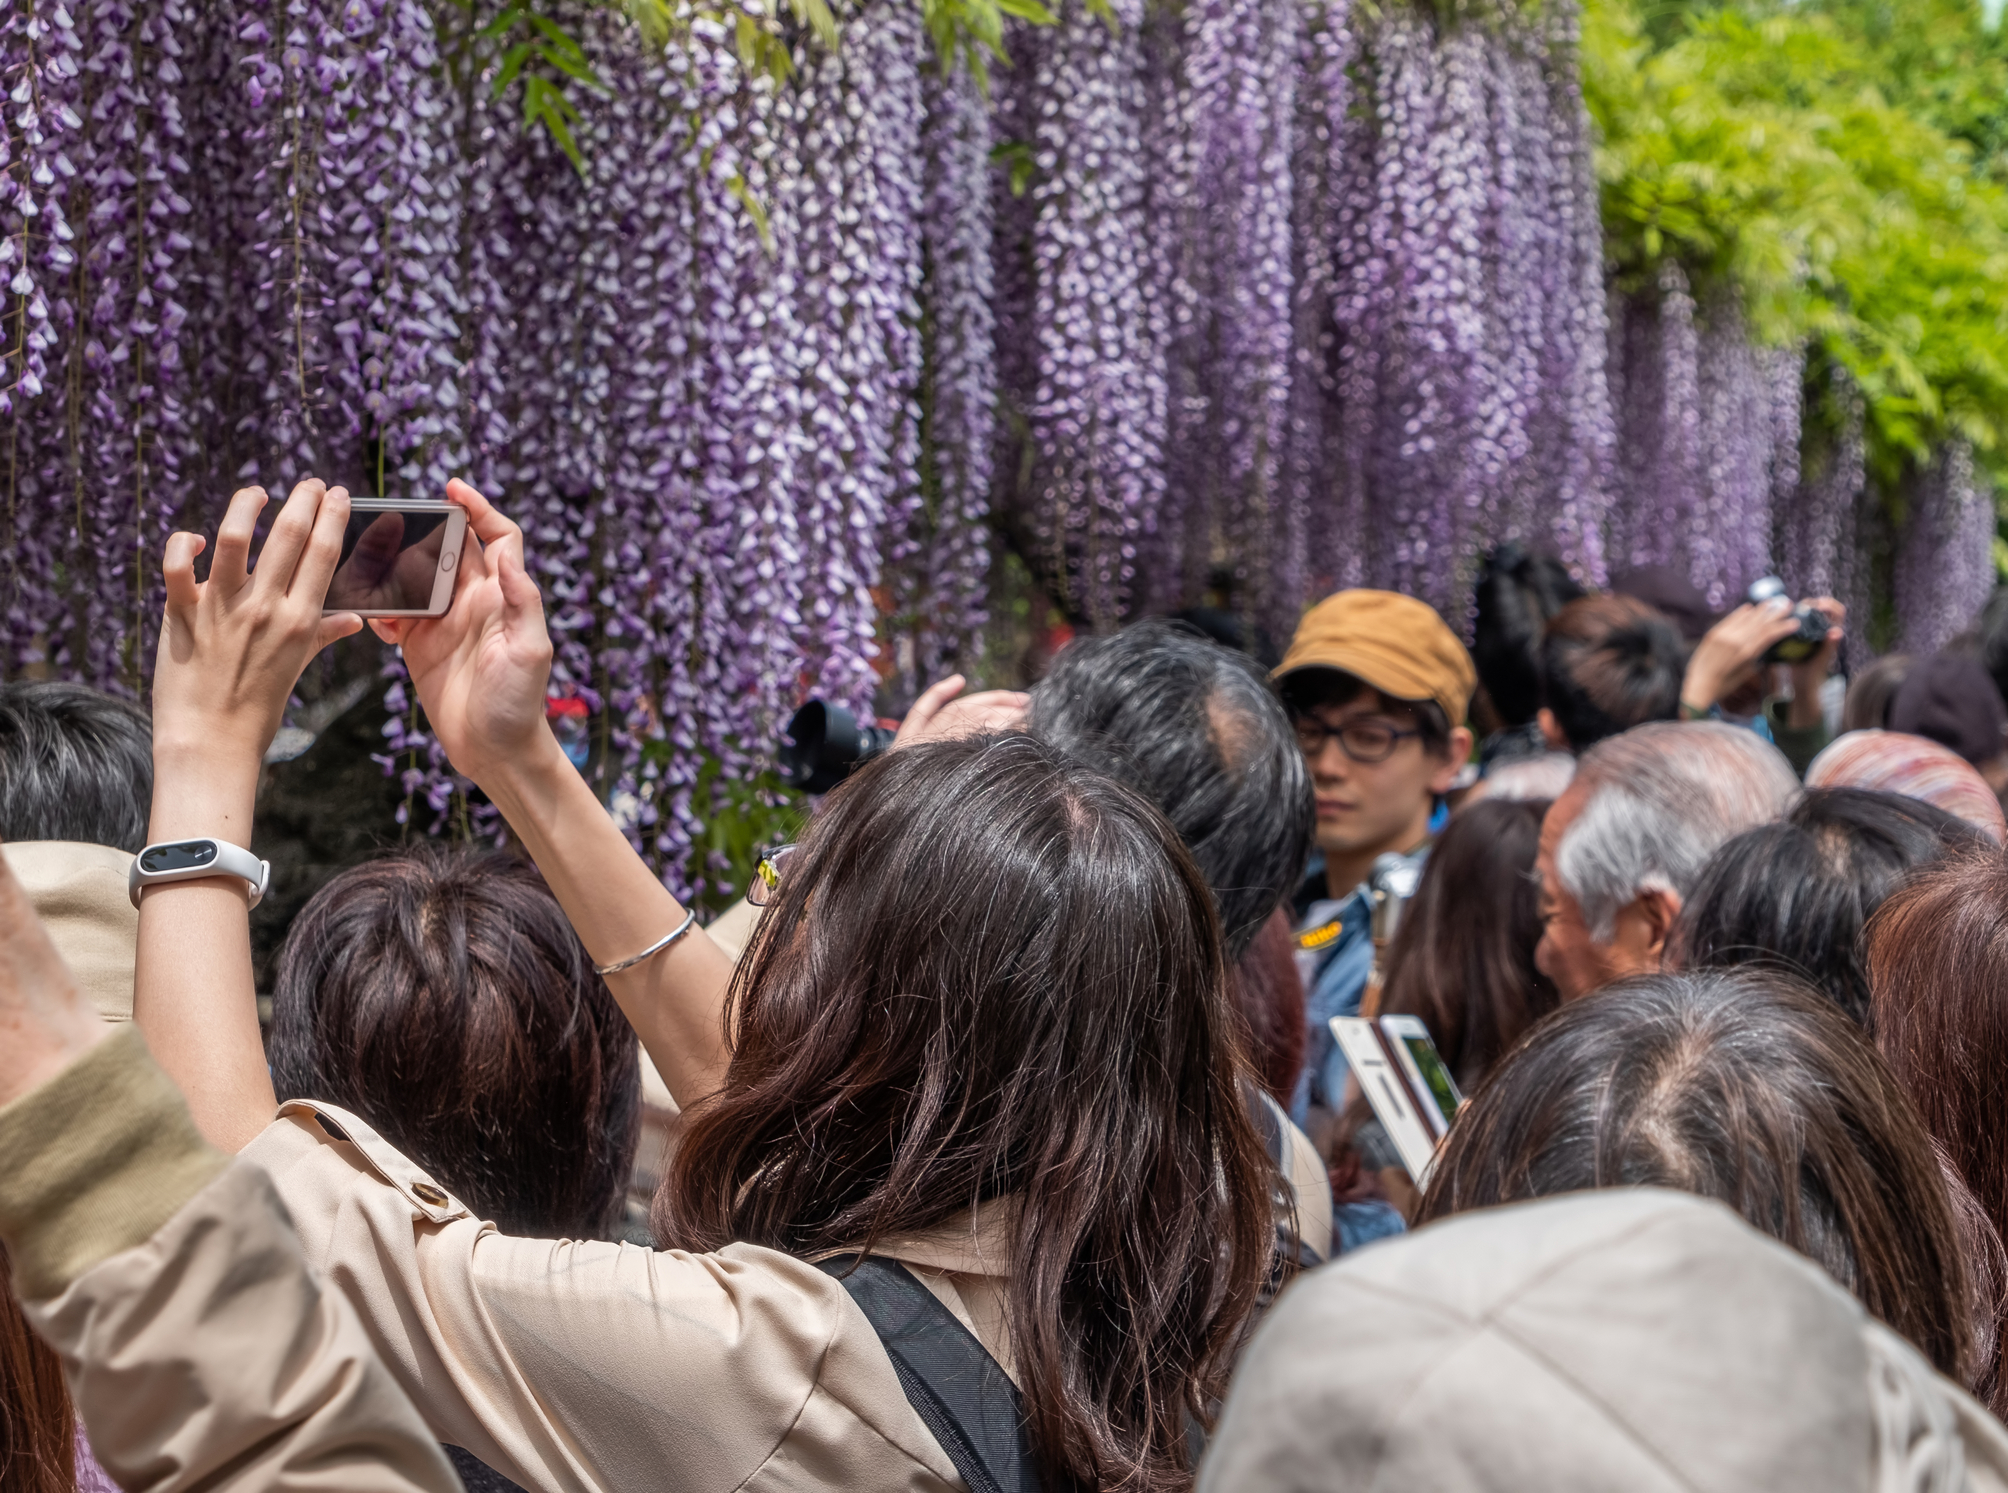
398	559
1435	1091
1361	1043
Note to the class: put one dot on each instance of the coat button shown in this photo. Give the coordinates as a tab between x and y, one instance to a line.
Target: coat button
427	1193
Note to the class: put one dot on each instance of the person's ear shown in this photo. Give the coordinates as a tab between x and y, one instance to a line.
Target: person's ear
1551	730
1661	906
1455	755
1644	926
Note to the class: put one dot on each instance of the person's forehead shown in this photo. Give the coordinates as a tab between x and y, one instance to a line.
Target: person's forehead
1369	701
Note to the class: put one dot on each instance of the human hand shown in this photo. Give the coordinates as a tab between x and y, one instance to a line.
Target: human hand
1723	659
1808	676
232	647
45	1022
939	716
482	670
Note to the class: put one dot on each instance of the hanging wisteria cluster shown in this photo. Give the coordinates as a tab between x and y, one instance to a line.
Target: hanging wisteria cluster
1348	327
1269	295
1709	431
1945	563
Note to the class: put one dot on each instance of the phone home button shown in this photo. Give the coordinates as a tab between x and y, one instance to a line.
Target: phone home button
448	560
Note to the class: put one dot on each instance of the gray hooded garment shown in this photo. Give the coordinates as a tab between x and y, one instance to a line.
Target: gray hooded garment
1637	1340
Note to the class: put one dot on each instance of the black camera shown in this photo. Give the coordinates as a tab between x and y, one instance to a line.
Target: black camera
1814	624
825	744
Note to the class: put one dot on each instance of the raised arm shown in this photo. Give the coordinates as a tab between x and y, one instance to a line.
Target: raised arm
231	649
481	672
200	1349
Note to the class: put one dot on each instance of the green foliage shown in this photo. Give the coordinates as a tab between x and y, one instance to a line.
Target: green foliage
545	58
1764	145
746	816
543	55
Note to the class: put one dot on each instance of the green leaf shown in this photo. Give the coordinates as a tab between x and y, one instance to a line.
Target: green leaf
1028	10
512	64
502	25
815	14
755	209
545	103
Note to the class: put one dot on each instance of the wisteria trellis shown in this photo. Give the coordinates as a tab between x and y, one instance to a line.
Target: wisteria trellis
1308	292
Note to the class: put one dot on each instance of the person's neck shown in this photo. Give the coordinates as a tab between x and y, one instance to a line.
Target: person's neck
1345	870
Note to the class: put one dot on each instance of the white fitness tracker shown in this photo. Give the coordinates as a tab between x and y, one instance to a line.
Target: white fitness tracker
191	860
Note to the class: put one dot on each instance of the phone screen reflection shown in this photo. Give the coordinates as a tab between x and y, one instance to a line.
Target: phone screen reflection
389	562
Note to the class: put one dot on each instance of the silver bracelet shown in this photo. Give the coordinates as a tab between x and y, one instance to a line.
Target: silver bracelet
689	922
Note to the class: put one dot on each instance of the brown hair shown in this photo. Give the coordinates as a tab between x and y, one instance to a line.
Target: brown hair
1745	1086
442	995
1866	707
1463	954
1938	1005
1269	999
1609	663
38	1448
992	973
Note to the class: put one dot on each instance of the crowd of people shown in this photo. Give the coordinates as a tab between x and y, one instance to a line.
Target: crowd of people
1004	1138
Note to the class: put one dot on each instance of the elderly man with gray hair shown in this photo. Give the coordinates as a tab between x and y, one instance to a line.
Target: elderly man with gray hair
1624	845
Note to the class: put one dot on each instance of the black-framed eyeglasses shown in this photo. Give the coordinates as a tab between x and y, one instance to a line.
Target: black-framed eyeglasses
1365	741
766	881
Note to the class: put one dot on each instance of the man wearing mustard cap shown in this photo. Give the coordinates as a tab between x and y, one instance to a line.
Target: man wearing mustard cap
1377	685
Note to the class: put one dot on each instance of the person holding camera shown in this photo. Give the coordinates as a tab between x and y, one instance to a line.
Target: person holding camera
1730	673
1029	1136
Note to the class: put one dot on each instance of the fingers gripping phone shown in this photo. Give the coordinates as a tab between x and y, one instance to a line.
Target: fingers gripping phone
398	558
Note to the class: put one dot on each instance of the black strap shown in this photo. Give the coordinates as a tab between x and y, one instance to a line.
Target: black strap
960	1392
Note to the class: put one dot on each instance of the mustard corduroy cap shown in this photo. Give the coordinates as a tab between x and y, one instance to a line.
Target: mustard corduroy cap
1393	642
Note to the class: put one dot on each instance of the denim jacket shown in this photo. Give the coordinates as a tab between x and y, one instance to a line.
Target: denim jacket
1335	954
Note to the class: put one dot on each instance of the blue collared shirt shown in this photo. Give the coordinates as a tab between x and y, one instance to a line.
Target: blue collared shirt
1335	973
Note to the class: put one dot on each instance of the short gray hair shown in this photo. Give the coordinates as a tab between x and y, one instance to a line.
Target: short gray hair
1663	798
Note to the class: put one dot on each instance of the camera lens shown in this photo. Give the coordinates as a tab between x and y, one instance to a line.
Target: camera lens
825	744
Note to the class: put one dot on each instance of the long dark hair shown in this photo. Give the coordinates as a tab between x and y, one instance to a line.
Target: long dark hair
1463	955
1745	1086
993	973
38	1448
1269	998
1797	894
1938	983
442	995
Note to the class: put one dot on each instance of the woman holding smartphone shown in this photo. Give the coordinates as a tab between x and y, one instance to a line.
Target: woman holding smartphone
983	1032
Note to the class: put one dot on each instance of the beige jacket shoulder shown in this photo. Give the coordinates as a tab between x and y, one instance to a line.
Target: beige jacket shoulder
199	1349
79	893
606	1368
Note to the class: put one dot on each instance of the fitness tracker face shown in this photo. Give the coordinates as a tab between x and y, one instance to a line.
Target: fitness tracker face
190	860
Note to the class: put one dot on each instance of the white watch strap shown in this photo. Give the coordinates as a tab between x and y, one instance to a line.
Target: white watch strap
193	860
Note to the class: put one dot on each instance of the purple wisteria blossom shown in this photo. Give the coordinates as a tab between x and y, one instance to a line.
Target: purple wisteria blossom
1656	370
1228	300
1309	293
40	57
1447	383
1095	408
944	560
1322	508
1945	555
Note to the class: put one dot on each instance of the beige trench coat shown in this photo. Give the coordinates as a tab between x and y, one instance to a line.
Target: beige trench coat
200	1350
607	1368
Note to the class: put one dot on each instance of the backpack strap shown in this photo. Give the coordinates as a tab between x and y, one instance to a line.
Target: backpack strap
960	1392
